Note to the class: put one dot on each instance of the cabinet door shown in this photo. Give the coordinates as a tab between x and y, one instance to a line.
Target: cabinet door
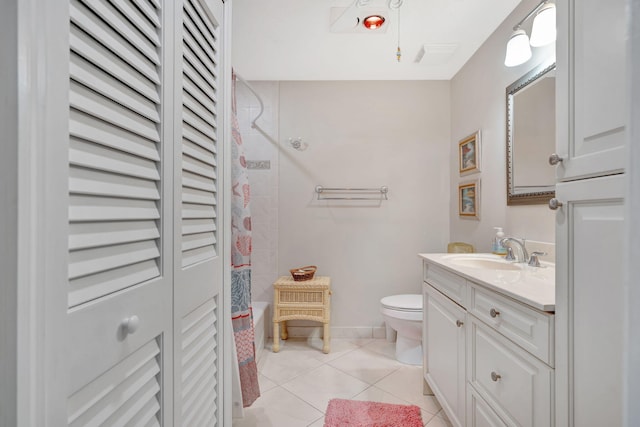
590	301
591	91
198	181
120	214
444	349
479	413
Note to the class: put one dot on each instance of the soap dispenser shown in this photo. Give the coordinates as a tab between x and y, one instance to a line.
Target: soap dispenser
496	246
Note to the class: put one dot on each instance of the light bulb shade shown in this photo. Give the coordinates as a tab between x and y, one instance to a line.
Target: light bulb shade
518	49
543	31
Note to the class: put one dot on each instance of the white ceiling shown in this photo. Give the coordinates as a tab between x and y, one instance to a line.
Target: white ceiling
292	39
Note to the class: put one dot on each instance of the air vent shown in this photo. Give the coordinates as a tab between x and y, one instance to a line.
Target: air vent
435	54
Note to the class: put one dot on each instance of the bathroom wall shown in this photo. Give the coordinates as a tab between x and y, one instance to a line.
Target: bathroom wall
359	134
478	101
364	134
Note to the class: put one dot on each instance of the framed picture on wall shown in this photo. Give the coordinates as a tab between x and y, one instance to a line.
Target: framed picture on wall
469	199
469	154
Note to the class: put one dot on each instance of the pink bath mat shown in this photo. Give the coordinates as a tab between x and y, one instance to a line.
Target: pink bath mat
355	413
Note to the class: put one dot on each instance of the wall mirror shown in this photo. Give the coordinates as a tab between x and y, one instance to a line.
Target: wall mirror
531	137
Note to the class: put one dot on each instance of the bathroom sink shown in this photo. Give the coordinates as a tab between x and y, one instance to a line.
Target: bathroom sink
488	262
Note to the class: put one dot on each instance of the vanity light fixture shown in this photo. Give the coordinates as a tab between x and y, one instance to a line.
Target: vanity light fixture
518	49
542	33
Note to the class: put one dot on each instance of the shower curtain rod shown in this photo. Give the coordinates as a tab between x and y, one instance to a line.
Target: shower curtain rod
253	122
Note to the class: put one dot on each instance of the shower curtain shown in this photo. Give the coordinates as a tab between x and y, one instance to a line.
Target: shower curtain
241	316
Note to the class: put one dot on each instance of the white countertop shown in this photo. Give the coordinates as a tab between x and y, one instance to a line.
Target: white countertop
534	286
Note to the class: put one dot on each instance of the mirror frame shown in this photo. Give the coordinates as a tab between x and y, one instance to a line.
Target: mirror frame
533	198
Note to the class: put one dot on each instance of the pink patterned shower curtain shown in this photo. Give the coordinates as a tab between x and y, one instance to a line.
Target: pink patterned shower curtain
241	315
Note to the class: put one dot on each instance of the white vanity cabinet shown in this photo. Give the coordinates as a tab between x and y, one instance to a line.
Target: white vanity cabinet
445	354
488	358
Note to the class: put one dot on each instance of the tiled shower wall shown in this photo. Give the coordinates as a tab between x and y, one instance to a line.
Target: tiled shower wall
263	180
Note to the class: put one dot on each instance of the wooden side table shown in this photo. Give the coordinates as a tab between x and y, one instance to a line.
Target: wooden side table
307	300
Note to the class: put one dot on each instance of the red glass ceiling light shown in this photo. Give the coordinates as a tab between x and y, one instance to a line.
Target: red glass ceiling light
373	22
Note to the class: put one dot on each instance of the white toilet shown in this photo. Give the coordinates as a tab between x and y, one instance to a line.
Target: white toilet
403	315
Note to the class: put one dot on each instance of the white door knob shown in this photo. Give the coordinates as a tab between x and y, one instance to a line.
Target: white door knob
130	324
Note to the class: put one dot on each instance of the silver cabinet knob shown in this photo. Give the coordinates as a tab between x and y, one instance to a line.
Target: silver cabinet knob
494	313
554	204
554	159
495	376
459	323
130	324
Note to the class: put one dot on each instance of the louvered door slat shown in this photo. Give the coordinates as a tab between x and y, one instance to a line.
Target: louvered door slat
96	260
193	38
90	102
99	30
125	29
199	364
100	158
97	401
199	132
198	182
85	181
140	20
130	408
99	81
203	141
149	11
195	12
197	71
196	67
145	416
94	209
199	166
84	126
193	417
197	106
197	226
196	151
155	3
88	235
196	91
195	121
115	143
88	288
84	45
191	195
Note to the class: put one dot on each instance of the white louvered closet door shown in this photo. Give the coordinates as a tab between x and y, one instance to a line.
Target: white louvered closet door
197	257
120	214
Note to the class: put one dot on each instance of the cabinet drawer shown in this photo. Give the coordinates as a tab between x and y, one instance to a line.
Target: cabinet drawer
479	413
531	329
452	285
515	384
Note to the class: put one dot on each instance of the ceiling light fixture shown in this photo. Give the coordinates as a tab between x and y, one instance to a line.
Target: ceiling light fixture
543	33
373	22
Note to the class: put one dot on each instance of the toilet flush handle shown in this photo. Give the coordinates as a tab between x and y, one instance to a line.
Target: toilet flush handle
459	323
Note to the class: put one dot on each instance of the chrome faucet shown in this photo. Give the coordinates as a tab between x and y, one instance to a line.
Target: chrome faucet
523	250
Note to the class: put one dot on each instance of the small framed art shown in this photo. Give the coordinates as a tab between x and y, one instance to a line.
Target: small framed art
469	199
469	154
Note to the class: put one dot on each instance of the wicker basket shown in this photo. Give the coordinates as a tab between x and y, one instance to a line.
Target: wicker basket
303	273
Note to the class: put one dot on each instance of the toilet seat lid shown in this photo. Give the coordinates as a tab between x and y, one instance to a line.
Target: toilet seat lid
405	302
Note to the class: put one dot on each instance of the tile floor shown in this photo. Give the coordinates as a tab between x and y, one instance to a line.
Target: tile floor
297	383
